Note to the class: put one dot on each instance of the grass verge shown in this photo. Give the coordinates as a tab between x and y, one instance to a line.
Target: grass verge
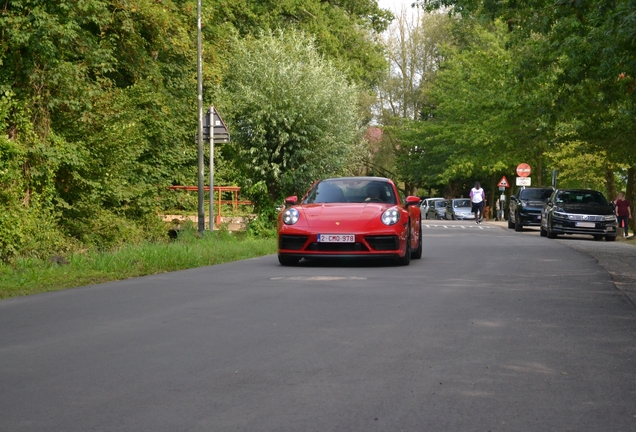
30	276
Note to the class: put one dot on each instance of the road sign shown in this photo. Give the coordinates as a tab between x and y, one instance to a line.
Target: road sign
503	183
221	134
523	170
524	181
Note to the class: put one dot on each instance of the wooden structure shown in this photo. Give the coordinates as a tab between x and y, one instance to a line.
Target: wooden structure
219	190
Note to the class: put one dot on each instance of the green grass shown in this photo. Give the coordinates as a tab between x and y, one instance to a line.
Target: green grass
30	276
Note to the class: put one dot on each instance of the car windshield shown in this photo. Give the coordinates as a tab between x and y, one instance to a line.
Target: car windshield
581	197
461	203
535	194
439	204
351	190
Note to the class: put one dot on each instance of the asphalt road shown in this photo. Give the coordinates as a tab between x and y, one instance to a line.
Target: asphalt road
491	330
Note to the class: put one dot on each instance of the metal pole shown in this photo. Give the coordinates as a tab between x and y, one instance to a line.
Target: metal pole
212	111
201	195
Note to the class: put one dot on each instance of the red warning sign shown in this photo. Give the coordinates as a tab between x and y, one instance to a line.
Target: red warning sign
503	182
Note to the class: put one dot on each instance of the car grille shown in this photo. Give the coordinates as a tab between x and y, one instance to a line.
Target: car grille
337	247
292	242
384	242
585	218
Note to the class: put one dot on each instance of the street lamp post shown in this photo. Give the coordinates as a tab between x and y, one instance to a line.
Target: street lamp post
201	196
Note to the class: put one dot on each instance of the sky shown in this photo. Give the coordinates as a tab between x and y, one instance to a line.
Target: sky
394	4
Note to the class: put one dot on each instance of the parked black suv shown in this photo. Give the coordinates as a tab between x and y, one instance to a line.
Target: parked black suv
526	206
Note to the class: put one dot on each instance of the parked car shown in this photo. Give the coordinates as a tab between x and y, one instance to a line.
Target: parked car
437	210
578	211
526	206
459	209
429	205
350	217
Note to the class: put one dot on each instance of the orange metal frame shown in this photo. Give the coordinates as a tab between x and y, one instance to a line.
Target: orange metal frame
219	190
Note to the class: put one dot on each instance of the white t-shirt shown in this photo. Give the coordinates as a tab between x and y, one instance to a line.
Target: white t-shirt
476	195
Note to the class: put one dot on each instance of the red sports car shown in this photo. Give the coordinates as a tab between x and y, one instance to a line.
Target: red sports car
350	217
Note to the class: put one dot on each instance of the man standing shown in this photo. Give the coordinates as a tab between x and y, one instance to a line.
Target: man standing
623	213
477	200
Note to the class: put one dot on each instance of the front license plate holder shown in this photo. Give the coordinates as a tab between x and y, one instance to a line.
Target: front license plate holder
586	225
336	238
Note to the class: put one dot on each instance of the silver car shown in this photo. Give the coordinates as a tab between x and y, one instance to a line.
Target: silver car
427	204
459	209
437	209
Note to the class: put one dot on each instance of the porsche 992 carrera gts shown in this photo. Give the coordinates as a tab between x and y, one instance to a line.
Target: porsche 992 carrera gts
350	217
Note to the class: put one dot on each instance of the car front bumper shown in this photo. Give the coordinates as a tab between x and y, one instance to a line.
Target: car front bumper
570	227
530	217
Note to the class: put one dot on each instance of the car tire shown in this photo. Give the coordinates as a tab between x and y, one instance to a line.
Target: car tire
598	237
406	259
549	232
610	238
287	260
518	225
418	253
542	232
510	224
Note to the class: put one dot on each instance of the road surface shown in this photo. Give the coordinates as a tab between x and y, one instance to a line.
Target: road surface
491	330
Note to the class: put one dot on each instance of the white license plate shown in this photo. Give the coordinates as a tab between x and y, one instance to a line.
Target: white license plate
586	224
336	238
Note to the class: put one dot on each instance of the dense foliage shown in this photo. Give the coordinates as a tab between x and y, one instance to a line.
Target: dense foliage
546	82
98	106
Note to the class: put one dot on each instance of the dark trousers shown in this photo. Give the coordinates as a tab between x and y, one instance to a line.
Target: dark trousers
478	207
623	222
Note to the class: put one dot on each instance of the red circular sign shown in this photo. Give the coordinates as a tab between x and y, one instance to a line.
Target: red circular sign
523	170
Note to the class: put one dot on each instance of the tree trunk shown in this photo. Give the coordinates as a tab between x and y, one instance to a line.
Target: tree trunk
610	184
630	193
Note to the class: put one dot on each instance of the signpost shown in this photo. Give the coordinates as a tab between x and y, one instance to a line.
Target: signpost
523	173
503	183
214	129
523	170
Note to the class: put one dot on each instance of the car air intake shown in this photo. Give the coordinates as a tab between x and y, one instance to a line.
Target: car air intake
337	247
382	243
292	242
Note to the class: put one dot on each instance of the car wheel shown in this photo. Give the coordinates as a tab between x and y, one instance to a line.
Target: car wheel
288	260
598	237
610	238
518	225
510	224
418	253
542	231
453	217
406	259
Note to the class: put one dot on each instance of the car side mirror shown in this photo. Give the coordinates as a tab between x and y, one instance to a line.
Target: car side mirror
513	197
291	200
412	200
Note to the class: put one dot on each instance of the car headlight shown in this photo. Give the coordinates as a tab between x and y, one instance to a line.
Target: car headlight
560	215
291	216
609	218
391	216
524	203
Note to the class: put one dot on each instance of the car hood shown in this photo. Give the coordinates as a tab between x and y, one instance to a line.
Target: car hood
590	209
345	216
463	210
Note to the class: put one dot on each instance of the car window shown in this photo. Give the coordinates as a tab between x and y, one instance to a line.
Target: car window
535	194
461	203
351	191
440	204
581	197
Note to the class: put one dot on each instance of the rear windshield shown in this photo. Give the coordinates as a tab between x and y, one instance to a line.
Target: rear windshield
351	191
581	197
461	203
535	194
